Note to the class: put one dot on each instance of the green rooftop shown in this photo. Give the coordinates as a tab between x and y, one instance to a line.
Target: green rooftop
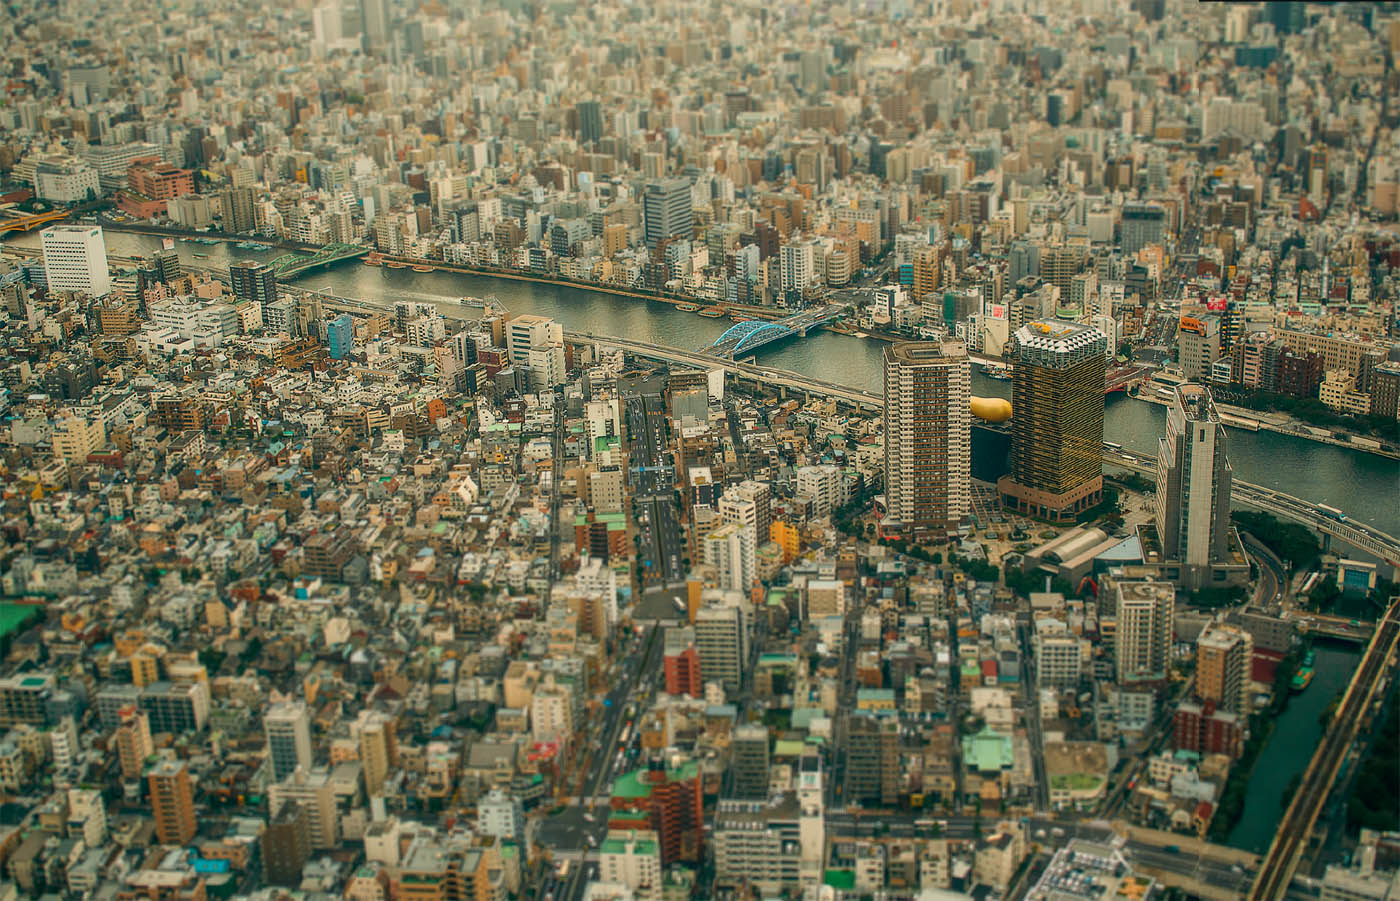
633	785
988	751
618	846
845	880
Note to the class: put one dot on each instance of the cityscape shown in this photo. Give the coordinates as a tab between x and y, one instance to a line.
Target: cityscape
496	450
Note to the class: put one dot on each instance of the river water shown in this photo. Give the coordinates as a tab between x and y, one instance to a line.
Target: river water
1296	734
1363	485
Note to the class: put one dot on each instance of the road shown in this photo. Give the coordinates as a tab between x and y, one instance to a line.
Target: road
652	477
574	833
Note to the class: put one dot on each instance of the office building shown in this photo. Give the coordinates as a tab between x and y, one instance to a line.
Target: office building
535	345
251	280
928	437
825	484
1224	659
1057	430
590	121
75	259
1142	641
681	663
286	845
340	336
722	644
872	759
288	728
666	211
172	801
1198	345
750	767
1194	480
1143	224
374	24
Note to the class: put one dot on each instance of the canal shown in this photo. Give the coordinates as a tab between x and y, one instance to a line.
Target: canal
1296	734
1361	484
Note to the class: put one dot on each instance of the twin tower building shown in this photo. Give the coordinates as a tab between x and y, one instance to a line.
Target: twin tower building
1057	400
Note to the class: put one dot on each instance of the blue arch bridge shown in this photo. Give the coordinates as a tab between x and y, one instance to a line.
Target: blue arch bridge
746	337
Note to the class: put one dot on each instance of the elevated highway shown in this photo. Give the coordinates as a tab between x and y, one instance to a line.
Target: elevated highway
1358	535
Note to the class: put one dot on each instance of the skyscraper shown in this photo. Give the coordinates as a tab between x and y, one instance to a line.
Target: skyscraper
1143	224
928	436
1193	487
172	801
374	19
590	121
75	259
340	335
1057	431
288	728
666	209
750	749
1224	658
1143	641
254	281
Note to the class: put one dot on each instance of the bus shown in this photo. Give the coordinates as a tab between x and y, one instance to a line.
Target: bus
564	870
1331	513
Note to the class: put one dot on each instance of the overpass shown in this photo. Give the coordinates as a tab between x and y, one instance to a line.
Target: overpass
31	221
1295	831
749	336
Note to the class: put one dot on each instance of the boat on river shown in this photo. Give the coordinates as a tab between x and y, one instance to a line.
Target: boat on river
395	264
687	307
422	268
712	312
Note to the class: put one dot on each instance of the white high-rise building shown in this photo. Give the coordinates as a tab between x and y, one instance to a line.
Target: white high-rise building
797	266
730	549
288	728
632	858
1193	487
75	259
500	815
535	345
1143	641
825	484
928	435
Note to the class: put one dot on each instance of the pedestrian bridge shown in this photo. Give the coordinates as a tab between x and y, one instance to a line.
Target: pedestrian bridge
746	337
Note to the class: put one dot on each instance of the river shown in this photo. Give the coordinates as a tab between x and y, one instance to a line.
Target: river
1363	485
1296	734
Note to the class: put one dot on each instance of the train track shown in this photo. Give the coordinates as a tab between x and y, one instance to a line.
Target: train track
1276	871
